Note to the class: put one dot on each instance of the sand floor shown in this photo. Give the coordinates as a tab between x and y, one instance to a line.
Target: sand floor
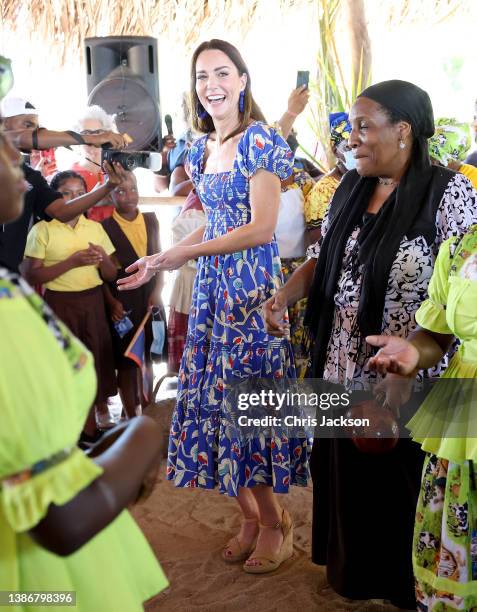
187	529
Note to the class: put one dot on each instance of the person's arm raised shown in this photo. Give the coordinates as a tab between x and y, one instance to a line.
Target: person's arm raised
66	211
41	139
296	104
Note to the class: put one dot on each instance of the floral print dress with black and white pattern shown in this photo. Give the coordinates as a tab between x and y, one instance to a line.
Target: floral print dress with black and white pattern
410	274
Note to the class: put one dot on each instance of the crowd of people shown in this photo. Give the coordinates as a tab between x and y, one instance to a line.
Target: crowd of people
366	274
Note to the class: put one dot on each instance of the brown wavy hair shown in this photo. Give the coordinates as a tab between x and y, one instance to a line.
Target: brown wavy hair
251	111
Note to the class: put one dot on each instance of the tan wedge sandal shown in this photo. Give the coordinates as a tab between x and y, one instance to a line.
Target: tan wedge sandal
237	552
269	562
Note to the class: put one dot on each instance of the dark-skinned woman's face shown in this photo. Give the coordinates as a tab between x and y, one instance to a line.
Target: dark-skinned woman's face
375	140
12	181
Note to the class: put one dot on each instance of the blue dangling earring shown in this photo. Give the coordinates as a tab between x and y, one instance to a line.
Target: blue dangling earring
201	112
242	101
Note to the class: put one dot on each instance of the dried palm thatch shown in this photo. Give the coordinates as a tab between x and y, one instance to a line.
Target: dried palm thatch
65	23
394	13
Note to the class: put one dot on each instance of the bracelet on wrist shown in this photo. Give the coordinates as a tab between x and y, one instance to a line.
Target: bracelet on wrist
292	114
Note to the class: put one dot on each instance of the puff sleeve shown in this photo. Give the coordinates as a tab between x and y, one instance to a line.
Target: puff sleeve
431	314
263	148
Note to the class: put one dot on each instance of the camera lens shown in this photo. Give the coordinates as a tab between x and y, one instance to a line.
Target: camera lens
130	162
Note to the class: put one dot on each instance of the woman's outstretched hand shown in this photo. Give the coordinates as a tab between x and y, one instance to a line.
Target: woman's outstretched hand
275	315
396	356
141	272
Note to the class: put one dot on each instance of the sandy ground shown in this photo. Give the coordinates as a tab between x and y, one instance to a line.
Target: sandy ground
187	529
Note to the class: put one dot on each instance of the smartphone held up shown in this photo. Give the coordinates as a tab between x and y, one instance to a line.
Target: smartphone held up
302	78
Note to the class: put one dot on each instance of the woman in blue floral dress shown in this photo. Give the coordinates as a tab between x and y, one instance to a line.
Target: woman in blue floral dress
236	169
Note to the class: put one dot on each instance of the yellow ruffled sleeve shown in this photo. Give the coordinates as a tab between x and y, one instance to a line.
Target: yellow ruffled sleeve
431	314
26	503
470	172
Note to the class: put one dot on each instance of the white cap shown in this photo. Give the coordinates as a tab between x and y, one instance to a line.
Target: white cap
11	107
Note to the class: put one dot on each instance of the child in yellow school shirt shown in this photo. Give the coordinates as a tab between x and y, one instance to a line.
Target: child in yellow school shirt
71	260
134	234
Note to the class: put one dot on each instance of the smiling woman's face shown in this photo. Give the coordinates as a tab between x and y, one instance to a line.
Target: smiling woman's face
375	140
12	181
218	83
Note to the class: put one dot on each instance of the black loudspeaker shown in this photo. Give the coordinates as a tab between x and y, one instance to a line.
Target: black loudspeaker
122	77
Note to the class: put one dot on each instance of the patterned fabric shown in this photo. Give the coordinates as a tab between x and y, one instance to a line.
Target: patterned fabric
407	287
301	180
451	140
296	312
340	127
444	553
226	340
445	536
318	200
296	316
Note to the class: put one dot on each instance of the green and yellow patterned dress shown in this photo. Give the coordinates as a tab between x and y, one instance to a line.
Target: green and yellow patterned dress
445	536
47	384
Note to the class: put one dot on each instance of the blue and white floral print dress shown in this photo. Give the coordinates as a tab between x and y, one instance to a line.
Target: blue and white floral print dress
226	339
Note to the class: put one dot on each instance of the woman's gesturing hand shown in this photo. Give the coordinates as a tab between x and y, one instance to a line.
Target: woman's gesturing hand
396	355
275	315
141	272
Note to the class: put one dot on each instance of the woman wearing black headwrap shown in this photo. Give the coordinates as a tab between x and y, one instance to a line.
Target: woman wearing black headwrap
380	240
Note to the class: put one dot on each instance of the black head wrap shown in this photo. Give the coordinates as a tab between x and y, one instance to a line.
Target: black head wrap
409	211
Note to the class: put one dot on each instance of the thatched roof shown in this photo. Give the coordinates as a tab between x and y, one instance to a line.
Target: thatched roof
420	11
65	23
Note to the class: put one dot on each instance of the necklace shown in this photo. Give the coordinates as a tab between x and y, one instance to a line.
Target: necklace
387	182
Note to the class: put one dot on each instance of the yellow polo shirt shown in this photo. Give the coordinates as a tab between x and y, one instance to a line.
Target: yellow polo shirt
55	241
135	232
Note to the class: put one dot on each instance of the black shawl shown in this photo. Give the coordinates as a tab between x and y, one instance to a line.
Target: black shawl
409	211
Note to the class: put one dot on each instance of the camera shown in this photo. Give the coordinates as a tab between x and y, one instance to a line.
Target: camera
130	160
